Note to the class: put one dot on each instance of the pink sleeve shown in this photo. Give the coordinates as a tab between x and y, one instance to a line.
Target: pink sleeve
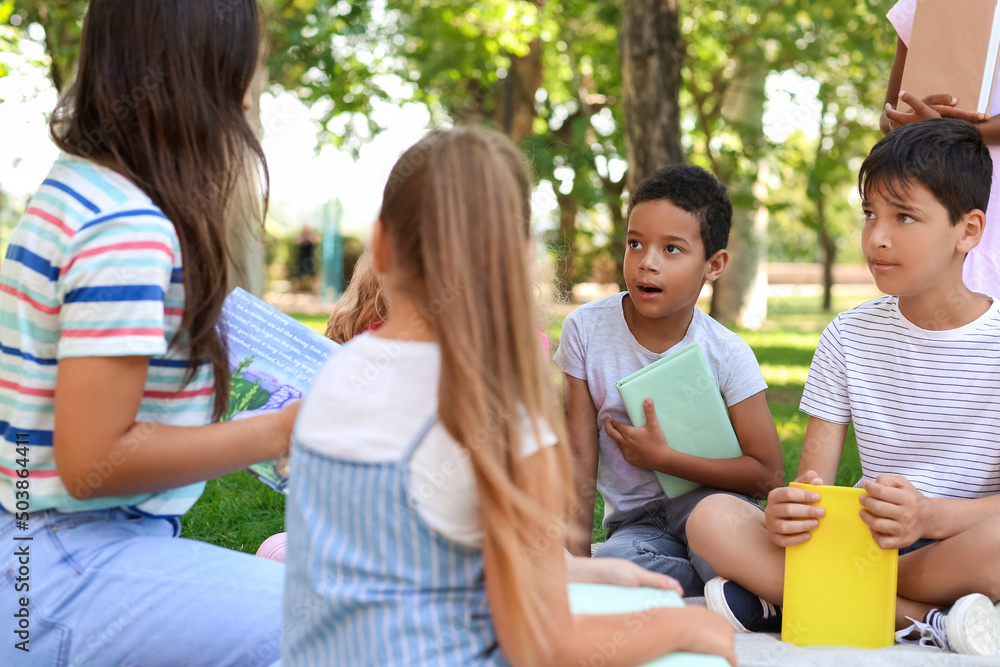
901	18
545	342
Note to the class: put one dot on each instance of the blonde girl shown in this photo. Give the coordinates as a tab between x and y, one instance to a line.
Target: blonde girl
429	492
361	307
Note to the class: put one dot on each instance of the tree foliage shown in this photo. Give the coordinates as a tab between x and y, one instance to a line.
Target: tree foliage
549	74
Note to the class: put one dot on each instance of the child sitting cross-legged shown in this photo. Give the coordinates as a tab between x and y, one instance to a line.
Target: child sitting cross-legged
678	227
918	372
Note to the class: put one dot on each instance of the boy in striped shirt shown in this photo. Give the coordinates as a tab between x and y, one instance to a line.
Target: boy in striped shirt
918	373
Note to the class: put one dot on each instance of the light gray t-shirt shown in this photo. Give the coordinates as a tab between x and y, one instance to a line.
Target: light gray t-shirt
597	346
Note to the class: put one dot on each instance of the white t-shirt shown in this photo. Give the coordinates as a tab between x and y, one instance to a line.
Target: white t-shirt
368	403
597	346
925	404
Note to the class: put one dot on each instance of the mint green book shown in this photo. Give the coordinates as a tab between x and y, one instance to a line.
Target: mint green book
689	406
595	599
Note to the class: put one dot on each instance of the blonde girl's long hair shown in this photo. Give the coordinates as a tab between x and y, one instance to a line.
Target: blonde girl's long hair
361	306
457	210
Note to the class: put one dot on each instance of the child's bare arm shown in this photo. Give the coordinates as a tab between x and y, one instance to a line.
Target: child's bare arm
755	473
637	638
99	427
581	427
617	572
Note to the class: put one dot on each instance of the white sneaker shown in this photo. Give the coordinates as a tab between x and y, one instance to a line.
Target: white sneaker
970	627
973	626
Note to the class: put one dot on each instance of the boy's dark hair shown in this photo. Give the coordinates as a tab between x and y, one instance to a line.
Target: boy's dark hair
945	155
696	191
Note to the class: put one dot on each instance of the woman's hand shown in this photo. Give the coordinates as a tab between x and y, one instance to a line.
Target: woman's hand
941	105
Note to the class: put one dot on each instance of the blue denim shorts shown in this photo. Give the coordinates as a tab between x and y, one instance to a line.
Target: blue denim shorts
115	587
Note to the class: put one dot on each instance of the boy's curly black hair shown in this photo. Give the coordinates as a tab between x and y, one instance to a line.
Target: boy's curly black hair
696	191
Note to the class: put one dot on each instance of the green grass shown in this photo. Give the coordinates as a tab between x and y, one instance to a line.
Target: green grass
239	512
314	322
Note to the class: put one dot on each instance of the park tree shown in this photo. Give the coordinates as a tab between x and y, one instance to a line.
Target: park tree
581	86
652	53
303	40
850	68
731	48
61	22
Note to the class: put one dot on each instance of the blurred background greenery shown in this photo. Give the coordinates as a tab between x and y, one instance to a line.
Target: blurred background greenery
779	98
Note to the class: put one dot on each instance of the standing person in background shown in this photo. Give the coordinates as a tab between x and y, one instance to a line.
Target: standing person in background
304	268
111	364
982	265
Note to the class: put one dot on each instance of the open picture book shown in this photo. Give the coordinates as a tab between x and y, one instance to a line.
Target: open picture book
273	359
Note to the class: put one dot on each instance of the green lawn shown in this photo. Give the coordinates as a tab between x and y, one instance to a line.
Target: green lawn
239	512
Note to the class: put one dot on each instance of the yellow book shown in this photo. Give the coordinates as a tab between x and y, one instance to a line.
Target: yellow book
840	586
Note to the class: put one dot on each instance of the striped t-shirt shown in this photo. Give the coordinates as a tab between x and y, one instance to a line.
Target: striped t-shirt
93	269
925	404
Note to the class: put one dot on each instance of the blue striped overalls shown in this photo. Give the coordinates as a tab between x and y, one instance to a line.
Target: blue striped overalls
367	581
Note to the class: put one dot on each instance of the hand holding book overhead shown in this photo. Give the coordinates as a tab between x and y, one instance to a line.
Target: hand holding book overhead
953	52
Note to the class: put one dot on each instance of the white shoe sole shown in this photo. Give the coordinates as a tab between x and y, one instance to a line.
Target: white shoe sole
973	626
715	600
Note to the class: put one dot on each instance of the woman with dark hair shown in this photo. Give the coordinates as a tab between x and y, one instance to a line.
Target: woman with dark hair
110	295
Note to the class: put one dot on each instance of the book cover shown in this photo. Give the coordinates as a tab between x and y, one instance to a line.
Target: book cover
840	586
596	599
689	406
954	52
273	359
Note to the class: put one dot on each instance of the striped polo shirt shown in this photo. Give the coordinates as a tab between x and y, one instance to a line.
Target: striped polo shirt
925	404
93	269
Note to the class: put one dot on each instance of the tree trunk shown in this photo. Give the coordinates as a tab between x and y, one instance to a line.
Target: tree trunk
739	296
514	114
248	268
828	252
651	53
618	227
566	245
58	20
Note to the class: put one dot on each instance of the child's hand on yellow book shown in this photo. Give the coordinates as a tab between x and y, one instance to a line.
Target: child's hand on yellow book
895	511
789	516
642	446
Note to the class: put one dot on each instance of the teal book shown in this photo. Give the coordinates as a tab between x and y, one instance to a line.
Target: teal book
689	406
595	599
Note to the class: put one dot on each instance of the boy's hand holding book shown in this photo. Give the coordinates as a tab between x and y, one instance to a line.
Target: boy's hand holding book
642	446
788	515
895	511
